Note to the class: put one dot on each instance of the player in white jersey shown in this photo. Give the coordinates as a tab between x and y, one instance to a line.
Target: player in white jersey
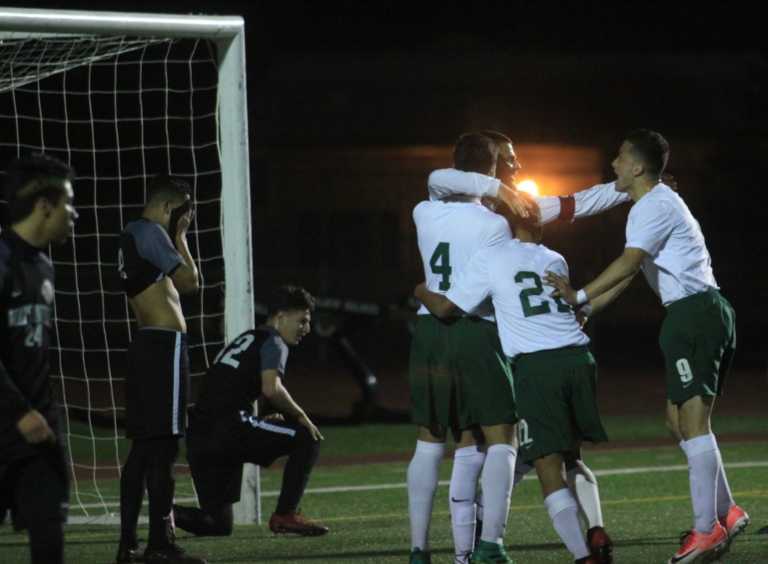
697	337
545	341
456	380
447	183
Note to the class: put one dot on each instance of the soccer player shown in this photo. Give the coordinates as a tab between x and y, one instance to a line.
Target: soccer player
554	372
223	433
33	472
698	336
155	265
448	183
456	380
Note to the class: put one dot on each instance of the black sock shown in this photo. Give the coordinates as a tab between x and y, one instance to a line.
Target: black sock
296	473
160	487
132	491
200	523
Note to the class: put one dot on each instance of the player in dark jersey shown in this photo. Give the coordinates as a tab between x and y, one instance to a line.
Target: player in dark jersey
155	265
33	472
223	434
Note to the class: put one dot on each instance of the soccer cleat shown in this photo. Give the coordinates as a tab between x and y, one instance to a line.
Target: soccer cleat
696	546
735	522
297	524
600	545
490	553
419	556
129	554
172	554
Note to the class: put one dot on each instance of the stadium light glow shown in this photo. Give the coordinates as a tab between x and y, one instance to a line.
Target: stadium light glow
529	186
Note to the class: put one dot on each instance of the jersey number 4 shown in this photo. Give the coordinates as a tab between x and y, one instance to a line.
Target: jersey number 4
440	264
535	291
229	355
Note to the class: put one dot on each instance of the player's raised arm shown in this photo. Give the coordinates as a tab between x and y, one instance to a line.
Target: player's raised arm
447	182
186	277
592	201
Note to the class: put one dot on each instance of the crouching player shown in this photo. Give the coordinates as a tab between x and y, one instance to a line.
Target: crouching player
223	434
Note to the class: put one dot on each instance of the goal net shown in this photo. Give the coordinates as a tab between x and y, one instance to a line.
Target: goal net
122	98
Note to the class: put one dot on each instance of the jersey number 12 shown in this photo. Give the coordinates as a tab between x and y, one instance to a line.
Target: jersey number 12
229	355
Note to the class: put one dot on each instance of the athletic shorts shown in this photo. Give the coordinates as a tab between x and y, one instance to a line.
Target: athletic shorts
157	386
36	487
458	375
556	400
216	453
698	339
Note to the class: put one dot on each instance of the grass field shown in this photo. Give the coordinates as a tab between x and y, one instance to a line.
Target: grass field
644	491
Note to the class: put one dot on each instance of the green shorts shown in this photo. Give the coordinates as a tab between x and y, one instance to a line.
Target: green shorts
698	339
556	401
459	376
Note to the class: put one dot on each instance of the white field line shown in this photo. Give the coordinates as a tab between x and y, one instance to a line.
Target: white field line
403	485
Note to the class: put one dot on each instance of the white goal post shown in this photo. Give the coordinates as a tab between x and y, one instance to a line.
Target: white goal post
227	34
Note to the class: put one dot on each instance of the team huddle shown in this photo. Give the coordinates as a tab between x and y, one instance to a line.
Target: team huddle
498	360
499	345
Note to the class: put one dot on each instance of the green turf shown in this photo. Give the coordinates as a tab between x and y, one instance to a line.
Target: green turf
643	511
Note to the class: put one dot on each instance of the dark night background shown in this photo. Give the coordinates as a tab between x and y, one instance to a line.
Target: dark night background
352	104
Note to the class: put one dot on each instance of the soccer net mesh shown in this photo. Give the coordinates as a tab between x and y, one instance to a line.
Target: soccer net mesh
120	110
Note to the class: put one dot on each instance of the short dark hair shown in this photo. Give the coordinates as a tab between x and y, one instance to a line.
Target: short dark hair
496	136
30	178
474	152
167	187
651	147
289	298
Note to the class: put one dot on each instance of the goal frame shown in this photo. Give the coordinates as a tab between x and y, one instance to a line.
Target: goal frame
228	34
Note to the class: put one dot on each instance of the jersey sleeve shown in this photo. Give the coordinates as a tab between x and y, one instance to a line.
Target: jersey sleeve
549	206
472	285
597	199
274	355
12	401
450	182
648	226
155	246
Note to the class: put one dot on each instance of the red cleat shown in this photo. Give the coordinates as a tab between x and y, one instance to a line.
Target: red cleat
735	522
696	545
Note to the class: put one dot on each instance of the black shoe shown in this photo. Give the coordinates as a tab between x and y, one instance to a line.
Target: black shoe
171	554
129	554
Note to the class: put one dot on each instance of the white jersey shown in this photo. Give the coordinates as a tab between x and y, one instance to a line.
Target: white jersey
449	181
449	234
678	262
528	318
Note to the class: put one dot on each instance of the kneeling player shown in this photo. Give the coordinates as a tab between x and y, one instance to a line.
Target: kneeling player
223	434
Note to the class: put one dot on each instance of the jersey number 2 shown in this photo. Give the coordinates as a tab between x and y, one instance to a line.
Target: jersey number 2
525	296
440	263
229	355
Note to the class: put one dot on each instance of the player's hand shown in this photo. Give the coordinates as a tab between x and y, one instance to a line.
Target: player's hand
34	428
562	287
581	317
184	222
518	204
314	431
274	417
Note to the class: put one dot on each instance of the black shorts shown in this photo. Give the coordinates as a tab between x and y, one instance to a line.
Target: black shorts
217	452
157	385
36	487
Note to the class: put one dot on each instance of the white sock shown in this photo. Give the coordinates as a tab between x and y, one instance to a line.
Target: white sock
702	472
583	484
724	496
496	480
564	512
422	483
467	464
521	469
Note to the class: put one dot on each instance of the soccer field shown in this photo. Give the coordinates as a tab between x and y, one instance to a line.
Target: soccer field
359	491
